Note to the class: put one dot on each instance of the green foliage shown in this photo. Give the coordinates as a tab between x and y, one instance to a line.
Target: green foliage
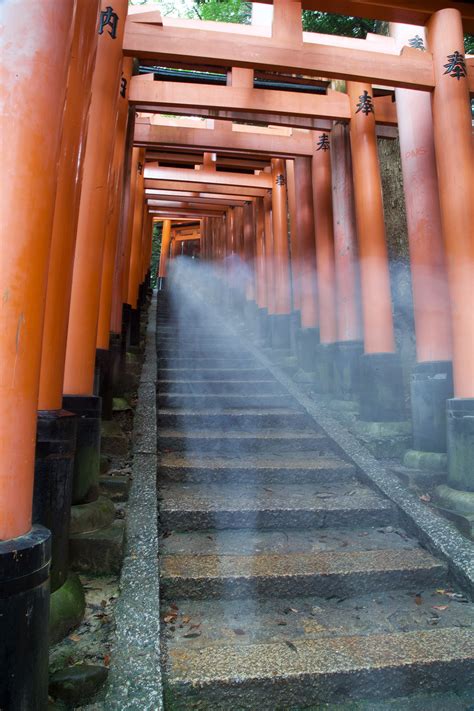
328	24
224	10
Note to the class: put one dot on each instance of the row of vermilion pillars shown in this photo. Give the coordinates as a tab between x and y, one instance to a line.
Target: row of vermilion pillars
334	283
69	263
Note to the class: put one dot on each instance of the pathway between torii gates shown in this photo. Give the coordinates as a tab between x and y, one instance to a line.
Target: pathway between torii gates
286	581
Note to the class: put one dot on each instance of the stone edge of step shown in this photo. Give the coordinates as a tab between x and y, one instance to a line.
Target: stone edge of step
134	681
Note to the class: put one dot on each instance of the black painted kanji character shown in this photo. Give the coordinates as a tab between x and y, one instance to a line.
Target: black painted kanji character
456	66
108	18
280	179
365	104
140	168
323	142
416	42
123	87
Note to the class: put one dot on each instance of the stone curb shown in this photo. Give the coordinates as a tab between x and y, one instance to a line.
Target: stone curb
439	536
135	675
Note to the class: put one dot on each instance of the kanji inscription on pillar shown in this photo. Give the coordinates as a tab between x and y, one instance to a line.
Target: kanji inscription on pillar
108	18
323	142
365	104
140	168
456	66
417	43
123	87
280	179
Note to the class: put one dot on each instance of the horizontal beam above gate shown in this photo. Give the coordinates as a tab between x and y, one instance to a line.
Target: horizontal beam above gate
210	177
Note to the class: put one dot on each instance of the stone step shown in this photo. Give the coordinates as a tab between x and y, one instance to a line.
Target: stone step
242	418
209	374
241	443
186	507
209	361
224	401
219	387
303	673
324	573
201	351
257	469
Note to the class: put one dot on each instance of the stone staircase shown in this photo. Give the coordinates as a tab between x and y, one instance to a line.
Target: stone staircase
286	582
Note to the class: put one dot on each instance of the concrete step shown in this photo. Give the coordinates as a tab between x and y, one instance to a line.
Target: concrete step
241	443
185	507
242	418
326	574
255	469
210	374
201	351
224	401
219	387
305	673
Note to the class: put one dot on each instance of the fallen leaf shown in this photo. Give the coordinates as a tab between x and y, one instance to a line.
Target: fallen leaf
186	619
174	606
74	638
292	646
239	631
287	610
281	622
425	497
418	599
191	635
440	607
106	659
195	627
169	618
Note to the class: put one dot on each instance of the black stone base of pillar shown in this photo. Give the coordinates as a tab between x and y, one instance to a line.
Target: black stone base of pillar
280	331
460	441
381	396
431	386
103	387
87	460
346	369
306	341
135	326
263	325
24	620
324	358
126	319
54	468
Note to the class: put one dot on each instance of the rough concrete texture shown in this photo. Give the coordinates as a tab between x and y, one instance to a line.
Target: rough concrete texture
135	675
98	552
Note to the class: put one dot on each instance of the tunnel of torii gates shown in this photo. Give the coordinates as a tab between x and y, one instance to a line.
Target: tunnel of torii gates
90	163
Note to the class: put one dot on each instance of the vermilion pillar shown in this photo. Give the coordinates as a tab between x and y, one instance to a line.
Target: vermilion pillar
455	164
87	273
35	46
56	428
381	394
308	336
326	280
269	271
431	381
165	250
84	311
349	326
280	322
294	243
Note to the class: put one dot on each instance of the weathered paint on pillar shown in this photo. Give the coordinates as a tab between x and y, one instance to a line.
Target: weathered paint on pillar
35	49
349	326
114	210
375	277
322	201
133	279
294	243
260	255
84	310
66	209
249	250
269	271
425	235
455	164
134	175
281	266
306	243
165	248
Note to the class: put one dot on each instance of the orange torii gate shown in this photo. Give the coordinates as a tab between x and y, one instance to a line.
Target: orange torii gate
85	230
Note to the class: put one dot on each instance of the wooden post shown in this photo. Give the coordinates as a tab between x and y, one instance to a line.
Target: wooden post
432	380
281	266
164	255
349	325
455	164
381	390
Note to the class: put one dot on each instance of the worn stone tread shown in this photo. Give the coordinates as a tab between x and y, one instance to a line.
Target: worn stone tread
258	460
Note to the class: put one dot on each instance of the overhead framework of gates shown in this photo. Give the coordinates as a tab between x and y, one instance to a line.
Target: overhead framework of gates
251	145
